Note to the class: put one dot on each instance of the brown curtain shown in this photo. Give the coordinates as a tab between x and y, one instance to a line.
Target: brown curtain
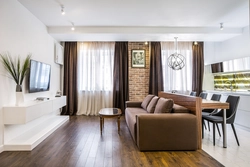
155	74
70	78
198	68
120	80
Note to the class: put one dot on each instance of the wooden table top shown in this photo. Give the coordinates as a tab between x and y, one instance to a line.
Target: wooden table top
110	112
211	104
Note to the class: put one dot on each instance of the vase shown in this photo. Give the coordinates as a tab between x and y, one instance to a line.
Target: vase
18	88
19	95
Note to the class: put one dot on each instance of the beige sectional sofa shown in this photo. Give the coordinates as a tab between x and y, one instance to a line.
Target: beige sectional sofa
158	123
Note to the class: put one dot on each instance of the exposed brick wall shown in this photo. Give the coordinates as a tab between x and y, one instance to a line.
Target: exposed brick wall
138	77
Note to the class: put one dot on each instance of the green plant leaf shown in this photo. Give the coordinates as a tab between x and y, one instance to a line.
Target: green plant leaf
25	68
14	67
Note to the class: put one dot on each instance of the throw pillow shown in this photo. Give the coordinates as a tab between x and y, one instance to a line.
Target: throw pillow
164	105
152	104
146	101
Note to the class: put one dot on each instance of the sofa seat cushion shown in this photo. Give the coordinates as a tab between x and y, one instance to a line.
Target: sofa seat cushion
180	109
146	101
164	105
130	117
152	104
167	132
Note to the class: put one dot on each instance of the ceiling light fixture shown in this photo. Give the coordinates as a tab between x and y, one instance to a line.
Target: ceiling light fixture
62	10
176	61
221	26
195	43
73	26
146	42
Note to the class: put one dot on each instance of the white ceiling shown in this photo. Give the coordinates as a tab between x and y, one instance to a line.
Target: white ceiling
141	20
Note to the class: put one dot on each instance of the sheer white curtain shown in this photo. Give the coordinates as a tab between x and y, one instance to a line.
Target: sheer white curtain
95	76
179	80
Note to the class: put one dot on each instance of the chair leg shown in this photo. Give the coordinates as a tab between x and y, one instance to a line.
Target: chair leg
218	129
208	125
214	133
202	122
235	134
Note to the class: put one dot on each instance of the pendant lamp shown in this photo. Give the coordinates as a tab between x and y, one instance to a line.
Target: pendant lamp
176	61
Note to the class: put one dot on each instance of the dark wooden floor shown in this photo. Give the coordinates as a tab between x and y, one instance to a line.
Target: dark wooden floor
79	143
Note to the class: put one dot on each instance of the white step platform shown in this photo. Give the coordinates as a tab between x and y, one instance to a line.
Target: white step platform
34	136
27	125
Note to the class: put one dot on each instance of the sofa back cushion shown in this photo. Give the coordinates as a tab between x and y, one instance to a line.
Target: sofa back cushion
146	101
152	104
164	105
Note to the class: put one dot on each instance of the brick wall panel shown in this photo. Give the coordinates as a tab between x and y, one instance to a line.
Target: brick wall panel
138	77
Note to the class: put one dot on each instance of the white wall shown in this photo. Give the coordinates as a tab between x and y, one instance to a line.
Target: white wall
233	48
22	33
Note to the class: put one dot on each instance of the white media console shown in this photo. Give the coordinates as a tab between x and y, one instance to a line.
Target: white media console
27	125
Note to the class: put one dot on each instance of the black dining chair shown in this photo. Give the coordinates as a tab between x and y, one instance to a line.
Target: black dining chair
217	118
193	93
203	95
215	97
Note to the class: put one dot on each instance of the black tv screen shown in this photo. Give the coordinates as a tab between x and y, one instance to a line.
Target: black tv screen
39	76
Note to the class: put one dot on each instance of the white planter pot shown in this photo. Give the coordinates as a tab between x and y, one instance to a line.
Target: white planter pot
19	98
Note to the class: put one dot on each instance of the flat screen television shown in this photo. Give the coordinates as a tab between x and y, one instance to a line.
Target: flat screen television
39	76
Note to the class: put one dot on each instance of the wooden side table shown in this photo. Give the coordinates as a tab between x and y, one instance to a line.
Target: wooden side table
109	113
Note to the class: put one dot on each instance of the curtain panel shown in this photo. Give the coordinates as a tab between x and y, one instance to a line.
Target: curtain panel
70	78
177	80
155	74
95	79
120	78
198	67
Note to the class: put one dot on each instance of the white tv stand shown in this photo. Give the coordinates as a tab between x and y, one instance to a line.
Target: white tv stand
27	125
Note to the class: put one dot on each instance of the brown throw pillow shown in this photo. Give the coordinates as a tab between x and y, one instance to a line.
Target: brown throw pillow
164	105
146	101
152	104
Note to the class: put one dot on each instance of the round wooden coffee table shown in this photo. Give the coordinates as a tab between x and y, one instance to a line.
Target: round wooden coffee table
109	113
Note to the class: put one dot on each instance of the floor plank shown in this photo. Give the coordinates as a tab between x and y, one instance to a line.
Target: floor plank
79	143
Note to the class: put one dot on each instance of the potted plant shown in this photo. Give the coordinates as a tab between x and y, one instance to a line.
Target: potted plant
16	69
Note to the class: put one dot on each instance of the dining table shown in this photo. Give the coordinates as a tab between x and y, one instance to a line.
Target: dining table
211	104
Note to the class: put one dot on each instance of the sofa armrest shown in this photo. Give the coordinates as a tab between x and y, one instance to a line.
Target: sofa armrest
167	132
133	104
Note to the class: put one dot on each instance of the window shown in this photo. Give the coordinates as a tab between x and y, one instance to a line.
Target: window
96	61
95	76
179	80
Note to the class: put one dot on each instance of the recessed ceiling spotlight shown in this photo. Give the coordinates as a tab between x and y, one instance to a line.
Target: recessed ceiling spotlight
146	42
195	43
62	10
221	26
73	26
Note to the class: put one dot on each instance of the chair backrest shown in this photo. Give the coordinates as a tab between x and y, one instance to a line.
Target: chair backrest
216	97
203	95
233	105
193	93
